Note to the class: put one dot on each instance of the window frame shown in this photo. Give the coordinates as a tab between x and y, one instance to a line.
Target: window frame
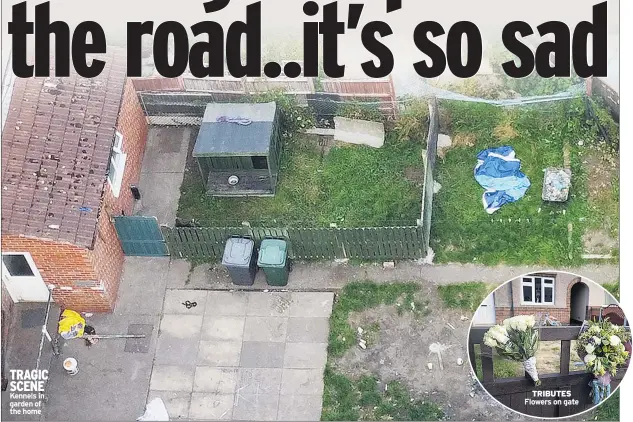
117	162
546	281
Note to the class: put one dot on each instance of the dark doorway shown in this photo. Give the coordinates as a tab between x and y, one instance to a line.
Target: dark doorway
578	302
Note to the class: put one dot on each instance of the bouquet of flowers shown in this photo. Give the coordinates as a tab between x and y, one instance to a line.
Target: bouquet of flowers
517	339
601	346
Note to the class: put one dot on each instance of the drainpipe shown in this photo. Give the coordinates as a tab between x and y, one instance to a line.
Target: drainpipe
511	300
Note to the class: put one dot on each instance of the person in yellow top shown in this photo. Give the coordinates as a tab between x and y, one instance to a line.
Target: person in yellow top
71	325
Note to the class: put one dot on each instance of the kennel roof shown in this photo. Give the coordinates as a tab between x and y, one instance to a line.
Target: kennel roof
236	129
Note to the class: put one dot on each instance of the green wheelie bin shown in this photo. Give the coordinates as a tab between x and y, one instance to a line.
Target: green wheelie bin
273	260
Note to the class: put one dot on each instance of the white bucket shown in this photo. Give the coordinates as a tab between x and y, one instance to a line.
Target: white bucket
71	366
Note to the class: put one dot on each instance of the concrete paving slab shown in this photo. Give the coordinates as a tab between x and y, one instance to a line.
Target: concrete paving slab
305	355
166	149
176	351
181	326
160	193
139	345
313	305
219	353
308	330
302	381
176	402
172	378
255	407
142	287
256	354
176	302
205	406
259	381
178	273
299	408
223	328
208	379
265	329
268	304
226	303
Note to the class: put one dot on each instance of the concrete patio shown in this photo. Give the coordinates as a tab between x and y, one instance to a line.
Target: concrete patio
242	355
234	355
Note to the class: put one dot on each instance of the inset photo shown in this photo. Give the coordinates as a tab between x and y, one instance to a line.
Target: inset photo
550	344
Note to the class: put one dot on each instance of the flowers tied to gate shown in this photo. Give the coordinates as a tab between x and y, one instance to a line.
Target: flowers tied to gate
517	339
601	347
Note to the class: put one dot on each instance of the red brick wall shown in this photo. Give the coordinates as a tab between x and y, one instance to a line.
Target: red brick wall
62	264
68	268
107	255
561	314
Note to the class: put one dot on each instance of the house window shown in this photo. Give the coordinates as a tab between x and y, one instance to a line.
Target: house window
117	165
537	291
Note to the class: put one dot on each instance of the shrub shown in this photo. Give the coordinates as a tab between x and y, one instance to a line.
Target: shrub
412	123
361	112
294	117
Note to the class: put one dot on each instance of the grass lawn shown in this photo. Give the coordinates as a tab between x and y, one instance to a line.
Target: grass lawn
528	231
350	185
609	410
351	400
613	288
347	399
467	296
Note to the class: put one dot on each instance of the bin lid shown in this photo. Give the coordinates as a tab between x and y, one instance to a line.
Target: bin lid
272	253
238	252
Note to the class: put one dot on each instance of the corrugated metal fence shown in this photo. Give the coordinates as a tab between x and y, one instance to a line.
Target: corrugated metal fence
429	167
372	243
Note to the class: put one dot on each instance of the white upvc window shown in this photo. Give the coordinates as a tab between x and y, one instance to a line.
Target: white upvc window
537	290
117	165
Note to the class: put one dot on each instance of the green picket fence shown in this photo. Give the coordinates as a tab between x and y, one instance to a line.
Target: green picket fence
368	243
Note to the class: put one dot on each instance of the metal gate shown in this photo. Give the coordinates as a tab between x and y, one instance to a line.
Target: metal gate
140	236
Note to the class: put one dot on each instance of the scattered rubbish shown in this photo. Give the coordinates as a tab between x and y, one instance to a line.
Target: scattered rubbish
85	209
360	331
463	318
429	365
460	361
187	304
436	187
71	366
155	411
450	325
362	345
498	172
382	361
472	395
88	314
438	348
388	265
556	184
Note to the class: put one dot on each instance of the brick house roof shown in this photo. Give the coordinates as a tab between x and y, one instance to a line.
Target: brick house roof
56	146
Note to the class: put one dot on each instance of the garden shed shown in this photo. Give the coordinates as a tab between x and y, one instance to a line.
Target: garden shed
238	149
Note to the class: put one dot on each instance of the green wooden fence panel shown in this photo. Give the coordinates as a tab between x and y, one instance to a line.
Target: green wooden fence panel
368	243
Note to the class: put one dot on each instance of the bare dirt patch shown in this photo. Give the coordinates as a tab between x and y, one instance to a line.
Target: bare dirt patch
414	174
602	176
505	131
400	351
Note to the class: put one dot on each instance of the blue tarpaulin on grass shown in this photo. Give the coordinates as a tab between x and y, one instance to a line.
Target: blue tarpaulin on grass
498	172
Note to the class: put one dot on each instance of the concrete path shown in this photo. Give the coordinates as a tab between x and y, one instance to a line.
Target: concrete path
114	374
162	172
242	355
333	276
